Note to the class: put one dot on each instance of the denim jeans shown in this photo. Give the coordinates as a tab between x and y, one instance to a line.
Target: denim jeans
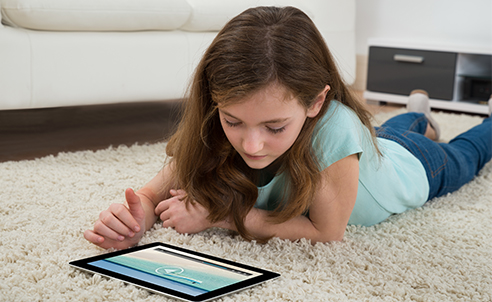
448	165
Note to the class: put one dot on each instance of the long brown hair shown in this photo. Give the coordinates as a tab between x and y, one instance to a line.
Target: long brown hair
259	47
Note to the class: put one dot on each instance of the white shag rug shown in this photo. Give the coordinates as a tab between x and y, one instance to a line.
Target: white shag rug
441	252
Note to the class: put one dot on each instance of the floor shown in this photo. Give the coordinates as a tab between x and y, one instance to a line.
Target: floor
29	134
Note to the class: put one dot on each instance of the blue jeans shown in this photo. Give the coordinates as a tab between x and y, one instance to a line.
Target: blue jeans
448	165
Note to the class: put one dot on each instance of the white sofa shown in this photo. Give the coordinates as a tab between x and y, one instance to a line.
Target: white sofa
83	52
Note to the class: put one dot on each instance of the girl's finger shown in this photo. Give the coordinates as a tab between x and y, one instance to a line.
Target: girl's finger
165	216
165	205
102	230
167	224
178	193
111	227
92	237
182	193
161	207
134	205
126	218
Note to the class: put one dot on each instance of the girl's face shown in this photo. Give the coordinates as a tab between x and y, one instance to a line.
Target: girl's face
263	126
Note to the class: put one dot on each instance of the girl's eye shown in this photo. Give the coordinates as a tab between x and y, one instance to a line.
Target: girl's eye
276	130
271	130
231	124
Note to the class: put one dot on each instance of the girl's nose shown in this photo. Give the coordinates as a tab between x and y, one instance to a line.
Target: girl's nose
252	142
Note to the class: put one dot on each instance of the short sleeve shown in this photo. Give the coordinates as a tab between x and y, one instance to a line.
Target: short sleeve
338	134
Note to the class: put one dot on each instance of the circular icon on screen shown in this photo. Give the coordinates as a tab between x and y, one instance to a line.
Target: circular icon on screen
169	270
175	272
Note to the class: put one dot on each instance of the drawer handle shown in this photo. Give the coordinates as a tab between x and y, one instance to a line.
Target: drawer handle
408	59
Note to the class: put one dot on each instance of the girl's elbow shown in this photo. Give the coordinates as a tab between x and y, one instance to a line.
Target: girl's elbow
330	238
335	239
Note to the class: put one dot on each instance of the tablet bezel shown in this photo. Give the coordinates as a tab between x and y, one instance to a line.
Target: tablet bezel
265	274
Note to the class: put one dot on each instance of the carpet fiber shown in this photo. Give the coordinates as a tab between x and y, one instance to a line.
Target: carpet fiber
441	252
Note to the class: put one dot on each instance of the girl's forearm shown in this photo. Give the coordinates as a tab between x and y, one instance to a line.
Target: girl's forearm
258	224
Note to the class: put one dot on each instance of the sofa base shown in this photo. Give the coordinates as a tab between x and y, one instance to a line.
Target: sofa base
52	69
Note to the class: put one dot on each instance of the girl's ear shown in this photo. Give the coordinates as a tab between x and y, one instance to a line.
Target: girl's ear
320	100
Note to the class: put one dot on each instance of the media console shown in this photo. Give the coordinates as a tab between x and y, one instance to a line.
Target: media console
457	78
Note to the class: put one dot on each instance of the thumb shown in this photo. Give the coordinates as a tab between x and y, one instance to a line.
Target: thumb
133	202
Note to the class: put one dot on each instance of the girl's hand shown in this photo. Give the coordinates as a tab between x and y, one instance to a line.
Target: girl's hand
184	219
119	226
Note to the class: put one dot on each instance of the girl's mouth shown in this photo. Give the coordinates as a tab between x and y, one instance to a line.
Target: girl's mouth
253	157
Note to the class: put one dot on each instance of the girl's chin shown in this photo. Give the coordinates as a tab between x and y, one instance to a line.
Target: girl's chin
256	162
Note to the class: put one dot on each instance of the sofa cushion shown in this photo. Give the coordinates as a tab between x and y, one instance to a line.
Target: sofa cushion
95	15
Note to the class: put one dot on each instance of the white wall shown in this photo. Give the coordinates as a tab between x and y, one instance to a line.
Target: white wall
439	21
454	22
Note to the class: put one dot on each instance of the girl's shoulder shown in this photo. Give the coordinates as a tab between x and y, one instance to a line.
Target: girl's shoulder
338	134
339	120
339	115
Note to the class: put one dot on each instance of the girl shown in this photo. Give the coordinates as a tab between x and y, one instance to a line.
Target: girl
272	143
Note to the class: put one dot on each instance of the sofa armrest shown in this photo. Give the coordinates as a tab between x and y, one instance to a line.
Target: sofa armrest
15	64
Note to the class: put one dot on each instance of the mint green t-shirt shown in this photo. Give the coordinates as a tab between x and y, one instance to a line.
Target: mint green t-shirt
388	185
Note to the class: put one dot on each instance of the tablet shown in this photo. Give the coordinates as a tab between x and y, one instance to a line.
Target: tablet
176	272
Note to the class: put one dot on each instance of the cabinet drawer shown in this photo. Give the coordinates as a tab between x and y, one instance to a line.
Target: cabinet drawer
399	71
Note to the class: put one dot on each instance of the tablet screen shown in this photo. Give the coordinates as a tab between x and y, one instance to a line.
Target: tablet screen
175	271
